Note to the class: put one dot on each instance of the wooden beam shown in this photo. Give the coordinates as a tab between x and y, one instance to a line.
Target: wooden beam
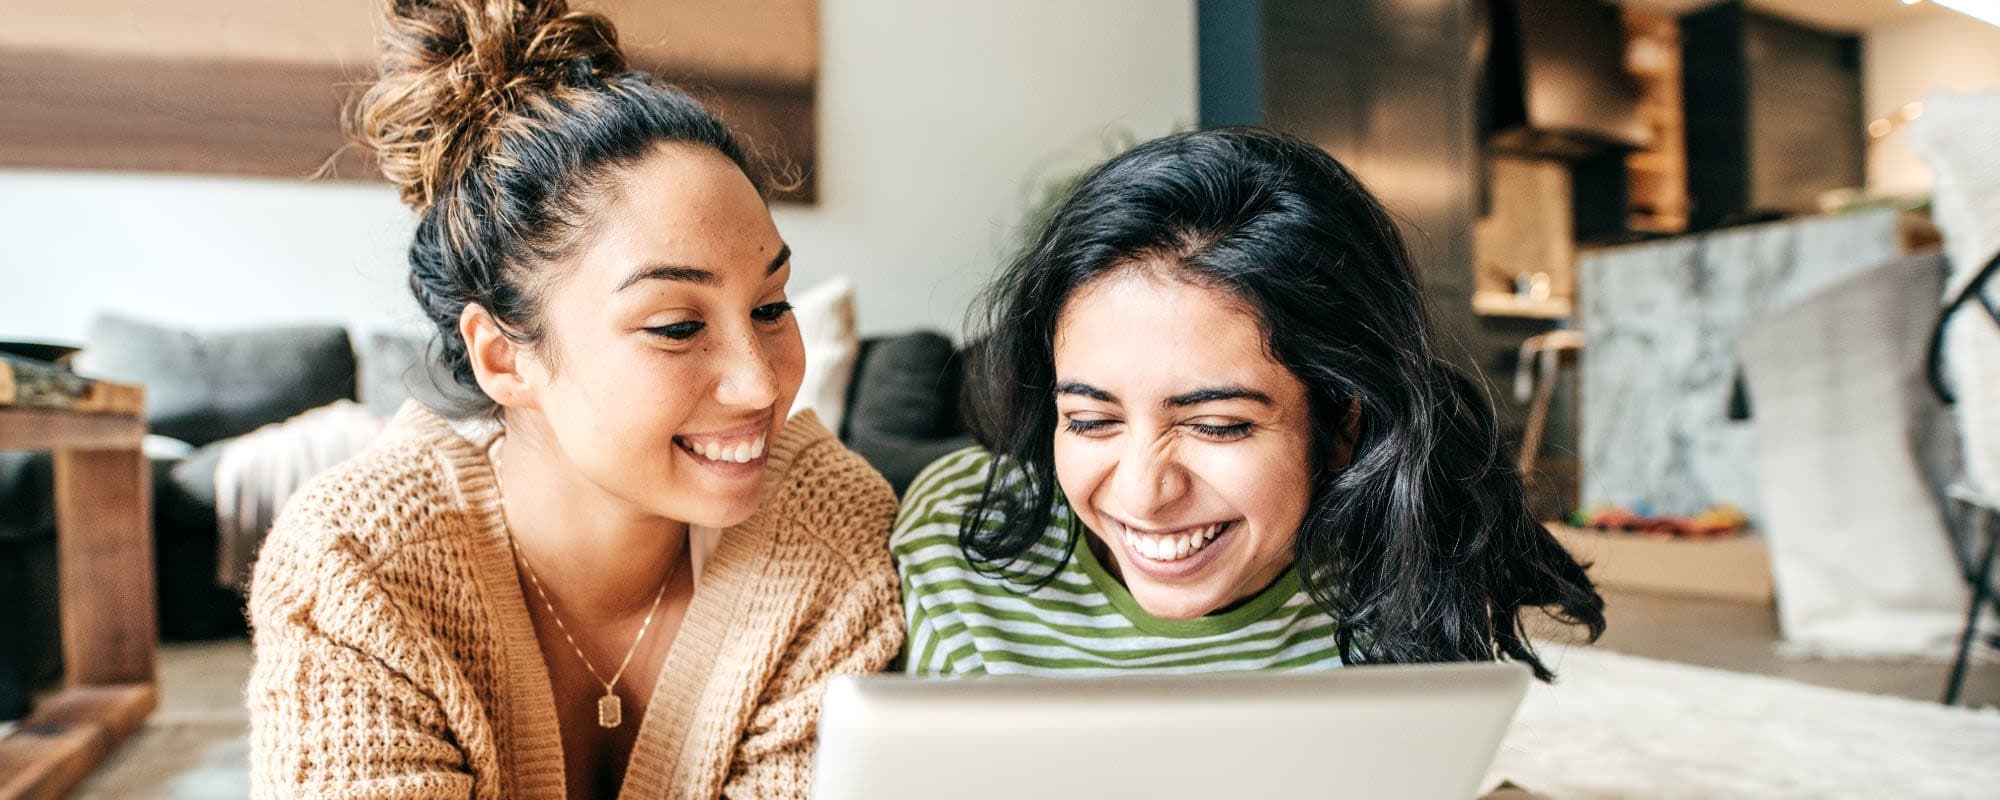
76	110
64	109
52	751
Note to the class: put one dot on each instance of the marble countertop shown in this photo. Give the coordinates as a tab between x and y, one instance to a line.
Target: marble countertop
1660	376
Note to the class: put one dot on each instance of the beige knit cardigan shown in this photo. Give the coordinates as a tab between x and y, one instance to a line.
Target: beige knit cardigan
395	657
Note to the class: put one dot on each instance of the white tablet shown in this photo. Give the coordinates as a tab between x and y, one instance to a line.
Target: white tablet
1422	731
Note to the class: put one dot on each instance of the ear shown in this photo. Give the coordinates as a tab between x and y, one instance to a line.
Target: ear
1350	435
496	359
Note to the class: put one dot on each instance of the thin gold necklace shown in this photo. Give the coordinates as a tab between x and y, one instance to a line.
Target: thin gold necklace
610	708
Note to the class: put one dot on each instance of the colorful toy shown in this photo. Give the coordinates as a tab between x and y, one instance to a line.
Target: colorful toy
1718	520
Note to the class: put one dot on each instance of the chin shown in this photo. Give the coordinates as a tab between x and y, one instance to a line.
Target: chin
711	509
1174	604
720	515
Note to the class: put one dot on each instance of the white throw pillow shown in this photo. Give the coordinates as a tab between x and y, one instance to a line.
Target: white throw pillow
833	344
1956	136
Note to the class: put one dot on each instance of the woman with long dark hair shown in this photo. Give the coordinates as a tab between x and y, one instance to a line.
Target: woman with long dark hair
638	582
1218	434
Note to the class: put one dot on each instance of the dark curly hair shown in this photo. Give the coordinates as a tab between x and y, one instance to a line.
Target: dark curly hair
502	121
1421	545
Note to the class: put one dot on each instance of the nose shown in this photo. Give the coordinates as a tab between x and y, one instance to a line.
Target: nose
747	378
1148	480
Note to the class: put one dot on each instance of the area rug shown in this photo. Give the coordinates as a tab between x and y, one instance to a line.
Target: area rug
1612	726
1616	726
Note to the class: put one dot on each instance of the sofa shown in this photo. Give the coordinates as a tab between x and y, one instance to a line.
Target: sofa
205	391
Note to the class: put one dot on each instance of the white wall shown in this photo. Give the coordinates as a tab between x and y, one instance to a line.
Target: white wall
1936	50
202	252
938	120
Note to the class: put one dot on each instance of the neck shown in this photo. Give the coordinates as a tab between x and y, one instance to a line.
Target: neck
599	558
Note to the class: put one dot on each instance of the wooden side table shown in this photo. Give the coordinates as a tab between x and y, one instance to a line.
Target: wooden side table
104	555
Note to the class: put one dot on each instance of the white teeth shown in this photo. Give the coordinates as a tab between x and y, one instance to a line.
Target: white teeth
740	453
1173	547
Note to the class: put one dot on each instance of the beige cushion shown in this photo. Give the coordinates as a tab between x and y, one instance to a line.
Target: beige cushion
833	343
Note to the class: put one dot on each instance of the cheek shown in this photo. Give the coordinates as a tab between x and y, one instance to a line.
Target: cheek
636	401
642	382
1080	469
1269	483
788	363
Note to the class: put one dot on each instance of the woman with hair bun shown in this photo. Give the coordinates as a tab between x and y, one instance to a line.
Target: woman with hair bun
638	581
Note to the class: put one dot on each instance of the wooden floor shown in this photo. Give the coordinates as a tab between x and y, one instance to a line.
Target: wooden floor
1743	638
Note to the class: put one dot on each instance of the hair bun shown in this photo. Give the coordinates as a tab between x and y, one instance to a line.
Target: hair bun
451	68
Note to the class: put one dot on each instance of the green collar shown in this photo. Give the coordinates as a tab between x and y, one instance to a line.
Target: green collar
1256	608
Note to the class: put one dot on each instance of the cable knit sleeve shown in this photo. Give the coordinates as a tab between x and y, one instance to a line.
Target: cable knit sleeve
336	701
857	629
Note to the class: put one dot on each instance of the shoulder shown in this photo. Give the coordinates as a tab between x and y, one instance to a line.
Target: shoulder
949	486
943	493
392	520
955	474
925	544
828	498
391	495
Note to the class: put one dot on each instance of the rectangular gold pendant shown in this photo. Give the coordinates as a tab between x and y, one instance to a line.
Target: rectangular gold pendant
610	711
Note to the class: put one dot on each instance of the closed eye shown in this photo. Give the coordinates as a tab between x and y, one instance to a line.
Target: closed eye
1086	427
771	312
1222	432
679	331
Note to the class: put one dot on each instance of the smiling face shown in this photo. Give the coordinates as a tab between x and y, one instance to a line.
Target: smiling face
671	356
1181	444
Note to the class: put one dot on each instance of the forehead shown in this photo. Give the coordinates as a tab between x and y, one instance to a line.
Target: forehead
1140	330
683	205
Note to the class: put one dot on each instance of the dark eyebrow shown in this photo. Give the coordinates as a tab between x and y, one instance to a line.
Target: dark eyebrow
784	255
1085	390
1216	394
695	275
669	272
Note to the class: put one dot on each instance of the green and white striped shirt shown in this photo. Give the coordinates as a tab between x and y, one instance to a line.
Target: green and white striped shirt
1084	622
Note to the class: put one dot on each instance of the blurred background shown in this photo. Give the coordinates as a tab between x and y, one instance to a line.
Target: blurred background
1703	252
